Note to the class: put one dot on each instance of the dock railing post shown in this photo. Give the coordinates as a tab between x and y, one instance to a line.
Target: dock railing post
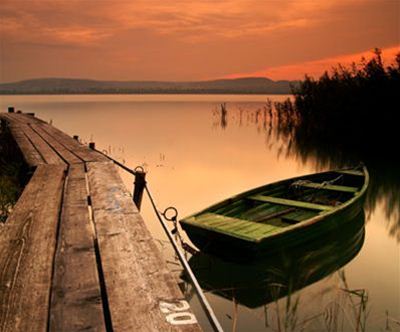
139	184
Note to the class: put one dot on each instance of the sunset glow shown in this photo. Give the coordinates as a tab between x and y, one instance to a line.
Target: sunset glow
188	40
318	67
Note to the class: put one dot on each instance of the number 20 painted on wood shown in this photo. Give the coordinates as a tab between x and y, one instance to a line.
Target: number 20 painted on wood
176	312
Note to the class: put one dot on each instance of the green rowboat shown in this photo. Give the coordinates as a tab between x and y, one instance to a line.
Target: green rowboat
286	212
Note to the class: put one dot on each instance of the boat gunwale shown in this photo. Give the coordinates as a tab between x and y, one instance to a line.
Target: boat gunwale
357	195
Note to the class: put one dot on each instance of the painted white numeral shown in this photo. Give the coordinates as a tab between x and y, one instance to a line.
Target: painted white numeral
175	314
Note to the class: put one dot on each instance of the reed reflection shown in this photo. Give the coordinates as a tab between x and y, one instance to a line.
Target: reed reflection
326	149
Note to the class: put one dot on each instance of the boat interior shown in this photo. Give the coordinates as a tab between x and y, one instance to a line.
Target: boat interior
263	211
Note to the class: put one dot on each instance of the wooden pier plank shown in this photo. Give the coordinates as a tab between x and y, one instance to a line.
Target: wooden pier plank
28	151
115	281
136	276
83	152
48	154
67	155
27	245
76	303
76	148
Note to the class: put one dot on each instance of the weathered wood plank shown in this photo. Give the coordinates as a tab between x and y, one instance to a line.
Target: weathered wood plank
351	172
13	118
67	155
22	118
79	150
290	202
76	303
332	187
28	151
298	216
73	145
47	153
135	274
27	245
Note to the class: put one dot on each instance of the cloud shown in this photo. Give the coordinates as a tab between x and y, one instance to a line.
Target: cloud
318	67
93	21
183	39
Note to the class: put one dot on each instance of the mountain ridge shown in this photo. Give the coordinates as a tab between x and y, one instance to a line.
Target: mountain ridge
55	85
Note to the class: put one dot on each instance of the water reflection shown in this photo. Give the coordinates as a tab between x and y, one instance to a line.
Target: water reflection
324	150
282	274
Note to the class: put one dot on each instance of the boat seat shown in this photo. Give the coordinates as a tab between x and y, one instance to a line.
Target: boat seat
246	229
328	187
350	172
290	202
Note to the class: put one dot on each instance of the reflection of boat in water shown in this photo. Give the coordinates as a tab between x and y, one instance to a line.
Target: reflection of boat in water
283	272
263	219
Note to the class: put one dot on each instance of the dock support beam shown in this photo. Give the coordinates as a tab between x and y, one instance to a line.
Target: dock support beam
139	184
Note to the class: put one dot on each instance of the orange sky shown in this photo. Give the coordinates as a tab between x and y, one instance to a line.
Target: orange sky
190	40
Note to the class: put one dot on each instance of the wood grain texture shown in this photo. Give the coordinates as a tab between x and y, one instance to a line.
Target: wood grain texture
290	202
83	152
135	273
45	150
65	142
28	151
76	299
27	245
67	155
61	272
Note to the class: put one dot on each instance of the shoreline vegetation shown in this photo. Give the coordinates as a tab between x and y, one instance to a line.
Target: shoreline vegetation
356	99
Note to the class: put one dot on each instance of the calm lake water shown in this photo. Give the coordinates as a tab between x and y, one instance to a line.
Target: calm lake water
196	157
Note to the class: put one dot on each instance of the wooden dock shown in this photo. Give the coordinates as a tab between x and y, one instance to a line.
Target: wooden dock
75	254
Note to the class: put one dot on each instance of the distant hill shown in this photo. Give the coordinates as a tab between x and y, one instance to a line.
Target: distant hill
249	85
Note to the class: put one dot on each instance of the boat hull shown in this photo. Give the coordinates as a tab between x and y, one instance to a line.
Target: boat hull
239	249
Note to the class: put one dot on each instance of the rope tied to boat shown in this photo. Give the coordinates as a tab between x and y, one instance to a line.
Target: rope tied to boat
302	183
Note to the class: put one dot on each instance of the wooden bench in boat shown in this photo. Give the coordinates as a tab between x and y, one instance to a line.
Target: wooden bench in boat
290	202
327	187
350	172
245	229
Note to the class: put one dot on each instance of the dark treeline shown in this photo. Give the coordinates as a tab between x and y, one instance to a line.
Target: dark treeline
359	102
